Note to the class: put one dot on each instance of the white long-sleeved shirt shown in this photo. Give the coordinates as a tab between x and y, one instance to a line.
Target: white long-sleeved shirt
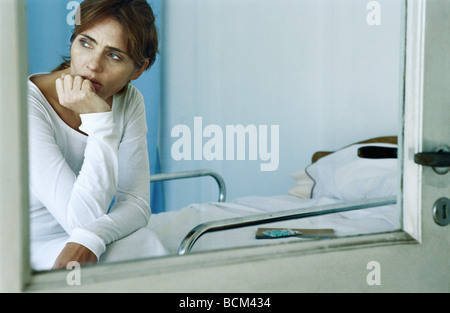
74	178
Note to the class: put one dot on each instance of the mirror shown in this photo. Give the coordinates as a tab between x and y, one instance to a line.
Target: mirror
252	90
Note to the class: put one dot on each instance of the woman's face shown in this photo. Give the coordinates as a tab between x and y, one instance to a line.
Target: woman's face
100	55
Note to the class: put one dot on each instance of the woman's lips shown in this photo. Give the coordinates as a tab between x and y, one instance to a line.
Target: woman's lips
94	83
97	86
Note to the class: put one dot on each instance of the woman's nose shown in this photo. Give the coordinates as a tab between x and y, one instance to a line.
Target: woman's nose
95	63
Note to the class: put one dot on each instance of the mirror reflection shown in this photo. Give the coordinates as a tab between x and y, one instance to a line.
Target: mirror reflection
236	108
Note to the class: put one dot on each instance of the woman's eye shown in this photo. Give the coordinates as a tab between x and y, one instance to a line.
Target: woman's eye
84	43
115	57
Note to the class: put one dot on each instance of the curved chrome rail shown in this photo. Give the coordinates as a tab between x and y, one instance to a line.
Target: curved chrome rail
213	226
191	174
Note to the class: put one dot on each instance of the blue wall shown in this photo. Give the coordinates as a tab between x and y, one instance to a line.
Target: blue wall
49	31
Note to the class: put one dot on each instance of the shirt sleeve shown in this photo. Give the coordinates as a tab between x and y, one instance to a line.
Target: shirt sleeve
131	209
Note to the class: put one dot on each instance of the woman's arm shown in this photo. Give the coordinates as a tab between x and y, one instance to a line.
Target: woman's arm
131	209
80	203
74	200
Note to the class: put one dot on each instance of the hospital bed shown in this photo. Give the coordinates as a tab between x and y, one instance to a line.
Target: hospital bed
349	192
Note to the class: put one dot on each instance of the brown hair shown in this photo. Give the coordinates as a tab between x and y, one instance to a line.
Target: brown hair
137	20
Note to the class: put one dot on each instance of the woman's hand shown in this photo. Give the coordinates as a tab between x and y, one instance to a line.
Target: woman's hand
74	252
78	95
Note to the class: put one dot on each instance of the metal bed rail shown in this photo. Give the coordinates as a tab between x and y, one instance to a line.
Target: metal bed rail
238	222
192	174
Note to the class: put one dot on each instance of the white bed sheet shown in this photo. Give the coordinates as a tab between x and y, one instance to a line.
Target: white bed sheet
172	227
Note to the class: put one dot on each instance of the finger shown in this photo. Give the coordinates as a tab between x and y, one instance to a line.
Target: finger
60	89
87	86
77	82
68	83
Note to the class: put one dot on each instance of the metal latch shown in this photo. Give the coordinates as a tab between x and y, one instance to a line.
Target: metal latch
439	160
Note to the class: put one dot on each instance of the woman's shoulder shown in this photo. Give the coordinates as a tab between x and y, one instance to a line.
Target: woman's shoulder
42	84
133	94
36	92
41	80
130	101
129	108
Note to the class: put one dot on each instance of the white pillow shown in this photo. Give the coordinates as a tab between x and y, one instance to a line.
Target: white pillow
345	176
304	186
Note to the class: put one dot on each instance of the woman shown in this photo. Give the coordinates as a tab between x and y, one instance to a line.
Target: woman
88	148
